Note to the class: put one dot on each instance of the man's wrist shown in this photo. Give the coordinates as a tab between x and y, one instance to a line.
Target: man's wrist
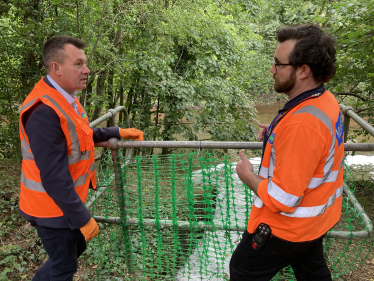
253	182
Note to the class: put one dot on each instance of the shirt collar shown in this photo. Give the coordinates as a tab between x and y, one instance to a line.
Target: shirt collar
69	98
302	96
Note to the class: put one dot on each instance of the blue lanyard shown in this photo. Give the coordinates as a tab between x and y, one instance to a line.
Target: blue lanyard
276	121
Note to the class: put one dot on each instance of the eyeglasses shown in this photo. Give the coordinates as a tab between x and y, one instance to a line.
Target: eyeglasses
276	64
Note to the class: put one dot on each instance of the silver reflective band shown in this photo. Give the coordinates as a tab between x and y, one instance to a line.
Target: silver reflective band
37	186
319	114
26	154
272	162
315	182
281	196
258	202
264	172
267	173
309	212
86	155
28	104
342	163
81	180
73	158
92	167
75	147
32	185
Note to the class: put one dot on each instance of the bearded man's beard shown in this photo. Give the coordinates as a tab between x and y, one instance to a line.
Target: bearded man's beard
287	85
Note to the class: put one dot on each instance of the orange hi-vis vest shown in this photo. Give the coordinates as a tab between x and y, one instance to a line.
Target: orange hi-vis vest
34	200
300	196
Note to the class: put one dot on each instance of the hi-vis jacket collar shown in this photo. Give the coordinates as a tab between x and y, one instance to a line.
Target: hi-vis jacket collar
302	96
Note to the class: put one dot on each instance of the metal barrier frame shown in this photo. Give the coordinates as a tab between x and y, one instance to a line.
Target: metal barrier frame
114	145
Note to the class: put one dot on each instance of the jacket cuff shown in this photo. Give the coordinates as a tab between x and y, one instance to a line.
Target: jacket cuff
80	220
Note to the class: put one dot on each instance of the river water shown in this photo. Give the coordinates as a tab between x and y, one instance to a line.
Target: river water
266	113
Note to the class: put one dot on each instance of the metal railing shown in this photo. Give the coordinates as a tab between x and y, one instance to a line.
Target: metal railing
111	114
348	114
114	145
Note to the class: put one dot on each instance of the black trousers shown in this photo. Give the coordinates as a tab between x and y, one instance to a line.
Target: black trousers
63	247
306	259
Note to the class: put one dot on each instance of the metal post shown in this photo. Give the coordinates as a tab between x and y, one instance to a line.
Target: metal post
113	118
347	119
129	151
110	114
365	125
113	146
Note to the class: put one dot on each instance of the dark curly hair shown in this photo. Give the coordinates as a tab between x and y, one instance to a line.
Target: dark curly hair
314	48
53	48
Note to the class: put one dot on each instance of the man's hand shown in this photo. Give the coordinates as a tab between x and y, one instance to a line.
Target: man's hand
90	230
131	134
244	168
260	135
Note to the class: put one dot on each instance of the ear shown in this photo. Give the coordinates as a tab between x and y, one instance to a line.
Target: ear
304	72
55	67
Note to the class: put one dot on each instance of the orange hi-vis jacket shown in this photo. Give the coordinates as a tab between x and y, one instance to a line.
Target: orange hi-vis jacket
300	196
34	200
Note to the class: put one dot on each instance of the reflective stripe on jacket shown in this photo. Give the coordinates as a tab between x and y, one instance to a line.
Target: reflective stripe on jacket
34	200
301	195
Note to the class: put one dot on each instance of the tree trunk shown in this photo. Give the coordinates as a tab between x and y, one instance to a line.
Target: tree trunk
120	93
30	61
166	133
100	89
110	85
156	119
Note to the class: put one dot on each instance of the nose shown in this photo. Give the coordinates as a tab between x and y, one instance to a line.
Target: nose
273	69
85	70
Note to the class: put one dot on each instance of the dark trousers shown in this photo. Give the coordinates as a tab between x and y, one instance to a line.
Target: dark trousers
63	247
306	259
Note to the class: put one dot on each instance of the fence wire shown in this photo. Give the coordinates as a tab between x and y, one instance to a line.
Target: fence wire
182	215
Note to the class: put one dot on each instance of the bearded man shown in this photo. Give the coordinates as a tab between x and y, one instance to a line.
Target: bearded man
298	192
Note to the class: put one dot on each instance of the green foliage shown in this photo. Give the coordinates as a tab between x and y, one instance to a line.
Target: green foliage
15	260
352	23
166	64
181	73
360	178
355	32
20	250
